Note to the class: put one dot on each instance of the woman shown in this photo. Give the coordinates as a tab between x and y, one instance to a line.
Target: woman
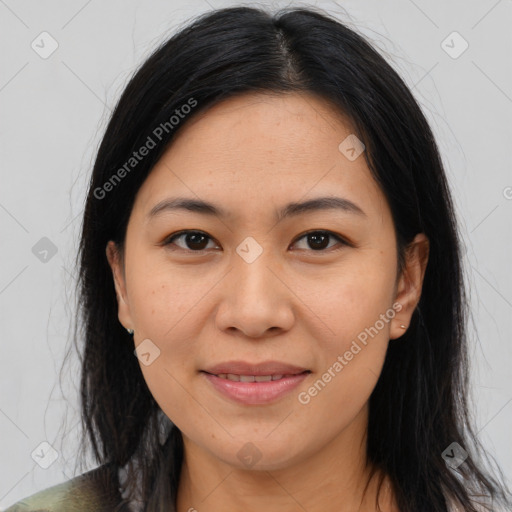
269	230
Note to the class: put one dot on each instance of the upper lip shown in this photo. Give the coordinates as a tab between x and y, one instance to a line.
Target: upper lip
264	368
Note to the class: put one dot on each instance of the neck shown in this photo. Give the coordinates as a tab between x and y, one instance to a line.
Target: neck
335	478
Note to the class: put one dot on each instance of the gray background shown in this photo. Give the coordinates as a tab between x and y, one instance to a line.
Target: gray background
54	111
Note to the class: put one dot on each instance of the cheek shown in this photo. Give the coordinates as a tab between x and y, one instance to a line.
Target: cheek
354	300
164	310
352	358
163	318
357	307
161	300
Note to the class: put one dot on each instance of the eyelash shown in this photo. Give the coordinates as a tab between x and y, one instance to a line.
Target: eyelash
169	240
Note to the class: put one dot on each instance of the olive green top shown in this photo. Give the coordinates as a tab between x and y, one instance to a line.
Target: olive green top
94	491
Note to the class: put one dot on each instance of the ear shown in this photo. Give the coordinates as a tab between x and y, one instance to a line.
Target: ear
410	284
114	260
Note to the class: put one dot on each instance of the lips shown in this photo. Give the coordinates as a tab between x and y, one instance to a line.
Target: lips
255	384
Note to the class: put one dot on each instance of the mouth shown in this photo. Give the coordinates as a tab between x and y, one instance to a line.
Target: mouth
254	384
247	369
254	378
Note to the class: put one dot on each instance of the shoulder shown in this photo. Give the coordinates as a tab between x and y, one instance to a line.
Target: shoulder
94	491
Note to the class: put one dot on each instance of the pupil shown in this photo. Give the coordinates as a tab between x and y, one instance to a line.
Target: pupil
314	238
192	238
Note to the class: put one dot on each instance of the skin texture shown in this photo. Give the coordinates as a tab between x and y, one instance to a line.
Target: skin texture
295	303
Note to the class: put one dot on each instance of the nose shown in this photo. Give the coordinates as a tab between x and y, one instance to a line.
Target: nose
256	300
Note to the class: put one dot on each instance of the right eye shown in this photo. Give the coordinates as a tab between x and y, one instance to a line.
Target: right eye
193	239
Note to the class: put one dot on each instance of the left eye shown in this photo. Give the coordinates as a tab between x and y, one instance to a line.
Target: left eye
317	239
196	239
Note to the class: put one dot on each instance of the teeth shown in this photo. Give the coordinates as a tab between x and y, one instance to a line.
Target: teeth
249	378
262	378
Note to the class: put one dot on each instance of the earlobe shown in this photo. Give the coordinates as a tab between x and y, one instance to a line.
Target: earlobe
410	283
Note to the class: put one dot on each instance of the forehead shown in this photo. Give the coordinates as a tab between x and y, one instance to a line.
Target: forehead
298	126
266	148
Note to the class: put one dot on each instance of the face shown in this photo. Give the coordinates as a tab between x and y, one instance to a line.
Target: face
314	290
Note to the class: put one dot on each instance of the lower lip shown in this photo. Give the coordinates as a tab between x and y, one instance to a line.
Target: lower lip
255	393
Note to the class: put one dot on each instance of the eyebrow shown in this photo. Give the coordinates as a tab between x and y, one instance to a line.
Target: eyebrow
290	210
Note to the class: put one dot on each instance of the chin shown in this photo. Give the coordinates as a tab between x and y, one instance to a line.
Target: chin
260	455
